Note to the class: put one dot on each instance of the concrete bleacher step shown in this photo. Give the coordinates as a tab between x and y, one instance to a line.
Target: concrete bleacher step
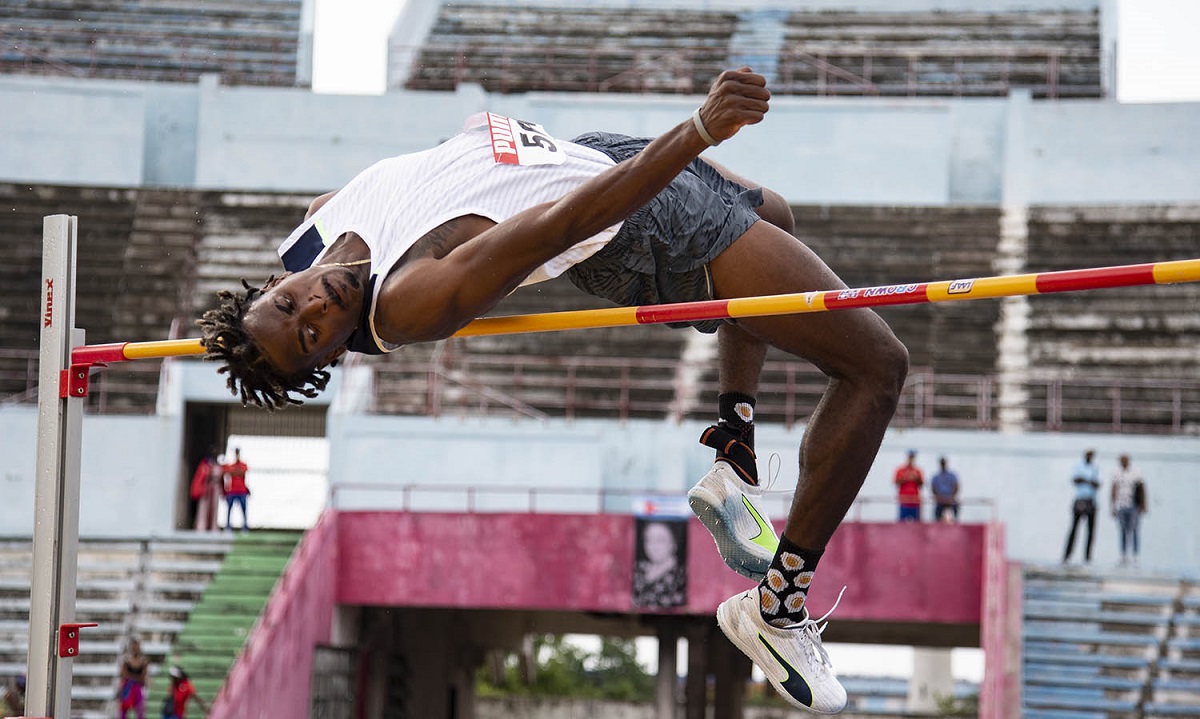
573	47
1028	713
1088	701
216	629
252	43
1083	613
117	589
1185	647
1185	667
1154	710
1075	661
962	53
1083	637
1044	679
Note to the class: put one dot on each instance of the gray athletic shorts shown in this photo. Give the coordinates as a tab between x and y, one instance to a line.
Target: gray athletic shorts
661	253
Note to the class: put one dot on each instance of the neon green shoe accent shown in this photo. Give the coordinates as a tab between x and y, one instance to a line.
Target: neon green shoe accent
766	535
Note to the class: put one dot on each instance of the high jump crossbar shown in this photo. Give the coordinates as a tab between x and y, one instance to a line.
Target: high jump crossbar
1151	273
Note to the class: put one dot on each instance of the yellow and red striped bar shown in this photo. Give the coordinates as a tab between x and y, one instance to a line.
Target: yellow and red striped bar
1160	273
1152	273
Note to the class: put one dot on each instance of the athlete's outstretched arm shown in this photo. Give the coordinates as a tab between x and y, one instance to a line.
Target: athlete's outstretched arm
436	297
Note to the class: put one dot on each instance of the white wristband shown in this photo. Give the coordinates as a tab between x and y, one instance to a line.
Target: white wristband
703	130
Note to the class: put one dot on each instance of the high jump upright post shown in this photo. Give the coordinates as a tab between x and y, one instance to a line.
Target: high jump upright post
53	631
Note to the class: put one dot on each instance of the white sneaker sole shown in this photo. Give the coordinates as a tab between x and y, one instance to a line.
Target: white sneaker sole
746	558
747	640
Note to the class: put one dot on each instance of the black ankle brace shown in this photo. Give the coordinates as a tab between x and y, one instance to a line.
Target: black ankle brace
733	451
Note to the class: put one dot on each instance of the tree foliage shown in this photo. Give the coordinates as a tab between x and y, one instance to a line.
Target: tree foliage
565	669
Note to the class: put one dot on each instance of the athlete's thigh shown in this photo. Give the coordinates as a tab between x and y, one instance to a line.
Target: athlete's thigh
767	261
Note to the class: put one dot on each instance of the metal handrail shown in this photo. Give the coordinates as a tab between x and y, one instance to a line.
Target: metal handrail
789	389
470	495
623	388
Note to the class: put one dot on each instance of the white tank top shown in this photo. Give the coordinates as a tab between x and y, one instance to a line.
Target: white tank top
495	168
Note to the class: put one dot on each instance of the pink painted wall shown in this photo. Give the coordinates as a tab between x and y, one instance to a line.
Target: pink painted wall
911	572
270	679
926	573
1000	631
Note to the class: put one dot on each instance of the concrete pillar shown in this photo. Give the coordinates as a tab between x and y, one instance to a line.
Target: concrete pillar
731	669
346	623
376	622
696	688
1012	341
664	687
931	678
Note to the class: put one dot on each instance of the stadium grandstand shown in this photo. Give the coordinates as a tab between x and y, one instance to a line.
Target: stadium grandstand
915	140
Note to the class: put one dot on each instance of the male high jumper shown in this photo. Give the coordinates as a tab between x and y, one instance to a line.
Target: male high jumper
417	246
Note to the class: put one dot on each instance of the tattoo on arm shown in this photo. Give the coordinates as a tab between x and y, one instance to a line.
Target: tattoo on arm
439	241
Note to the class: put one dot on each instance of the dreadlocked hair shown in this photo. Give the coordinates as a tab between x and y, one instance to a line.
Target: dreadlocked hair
251	376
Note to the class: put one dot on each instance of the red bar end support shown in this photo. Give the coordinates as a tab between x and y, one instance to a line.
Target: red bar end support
68	638
73	382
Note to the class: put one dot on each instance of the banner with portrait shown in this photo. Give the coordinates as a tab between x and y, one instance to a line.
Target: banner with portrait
660	577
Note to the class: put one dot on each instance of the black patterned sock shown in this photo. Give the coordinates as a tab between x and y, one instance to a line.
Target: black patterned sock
784	591
736	413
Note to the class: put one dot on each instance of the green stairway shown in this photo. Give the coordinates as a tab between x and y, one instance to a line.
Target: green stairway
219	624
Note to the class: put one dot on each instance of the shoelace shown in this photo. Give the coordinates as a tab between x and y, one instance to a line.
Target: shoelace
773	465
814	628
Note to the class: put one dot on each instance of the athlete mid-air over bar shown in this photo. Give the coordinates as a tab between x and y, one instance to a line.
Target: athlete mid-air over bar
417	246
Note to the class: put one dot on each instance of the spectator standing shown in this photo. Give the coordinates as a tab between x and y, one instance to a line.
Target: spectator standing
909	481
945	493
1086	480
236	490
1128	506
208	482
175	703
131	693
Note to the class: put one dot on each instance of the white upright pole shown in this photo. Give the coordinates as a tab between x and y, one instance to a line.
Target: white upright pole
56	503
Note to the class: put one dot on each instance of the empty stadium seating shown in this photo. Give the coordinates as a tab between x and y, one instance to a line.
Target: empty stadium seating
149	263
153	40
143	587
1055	53
215	630
1144	333
190	597
870	246
514	48
1108	644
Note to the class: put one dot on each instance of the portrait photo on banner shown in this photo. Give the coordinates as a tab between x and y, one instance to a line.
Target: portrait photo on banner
660	577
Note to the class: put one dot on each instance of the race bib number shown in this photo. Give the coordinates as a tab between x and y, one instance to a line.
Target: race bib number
517	142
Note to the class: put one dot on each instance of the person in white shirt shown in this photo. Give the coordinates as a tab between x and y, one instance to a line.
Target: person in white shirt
1128	505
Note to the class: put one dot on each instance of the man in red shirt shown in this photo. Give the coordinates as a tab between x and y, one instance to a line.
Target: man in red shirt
236	490
175	704
909	481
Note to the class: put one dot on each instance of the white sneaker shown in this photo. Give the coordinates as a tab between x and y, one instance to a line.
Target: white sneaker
732	511
793	659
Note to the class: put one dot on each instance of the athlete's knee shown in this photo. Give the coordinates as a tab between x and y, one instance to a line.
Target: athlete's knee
883	369
777	211
891	367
